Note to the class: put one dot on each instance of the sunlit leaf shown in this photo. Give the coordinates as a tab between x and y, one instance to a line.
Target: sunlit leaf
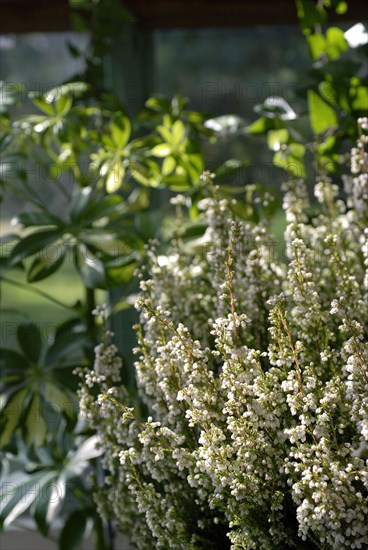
42	104
178	132
322	117
120	130
276	107
161	150
336	43
359	98
63	105
226	125
317	44
276	138
115	177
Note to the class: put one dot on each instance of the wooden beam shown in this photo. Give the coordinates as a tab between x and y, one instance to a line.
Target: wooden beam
166	14
17	16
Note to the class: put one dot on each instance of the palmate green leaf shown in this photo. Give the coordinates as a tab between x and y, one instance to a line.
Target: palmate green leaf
65	377
178	103
73	531
276	138
146	172
38	123
29	338
12	361
243	210
340	7
63	105
177	182
146	224
359	98
60	400
102	208
69	338
328	92
119	243
70	89
191	166
259	126
226	125
118	275
196	162
178	132
161	150
28	219
277	108
317	45
22	492
80	202
49	496
90	268
165	133
78	460
10	416
115	176
33	243
168	166
309	14
322	117
49	503
120	130
47	264
290	161
38	389
40	102
296	150
335	43
34	425
231	169
123	305
9	94
158	103
138	199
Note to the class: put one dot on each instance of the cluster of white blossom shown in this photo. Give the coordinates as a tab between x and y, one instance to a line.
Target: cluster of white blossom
255	375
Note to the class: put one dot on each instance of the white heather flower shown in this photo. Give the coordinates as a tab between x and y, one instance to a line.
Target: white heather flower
254	375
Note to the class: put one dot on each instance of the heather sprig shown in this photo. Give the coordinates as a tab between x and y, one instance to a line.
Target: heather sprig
254	372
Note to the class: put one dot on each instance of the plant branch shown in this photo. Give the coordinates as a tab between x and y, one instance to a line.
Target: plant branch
37	291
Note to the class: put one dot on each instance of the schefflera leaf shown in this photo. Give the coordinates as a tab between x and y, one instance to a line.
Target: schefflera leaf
37	383
56	476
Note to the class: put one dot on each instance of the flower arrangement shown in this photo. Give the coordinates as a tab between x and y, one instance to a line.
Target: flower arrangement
254	382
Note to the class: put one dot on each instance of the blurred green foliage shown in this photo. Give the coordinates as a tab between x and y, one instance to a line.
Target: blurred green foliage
105	171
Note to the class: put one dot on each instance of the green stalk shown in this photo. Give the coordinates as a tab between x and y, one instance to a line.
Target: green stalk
37	291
